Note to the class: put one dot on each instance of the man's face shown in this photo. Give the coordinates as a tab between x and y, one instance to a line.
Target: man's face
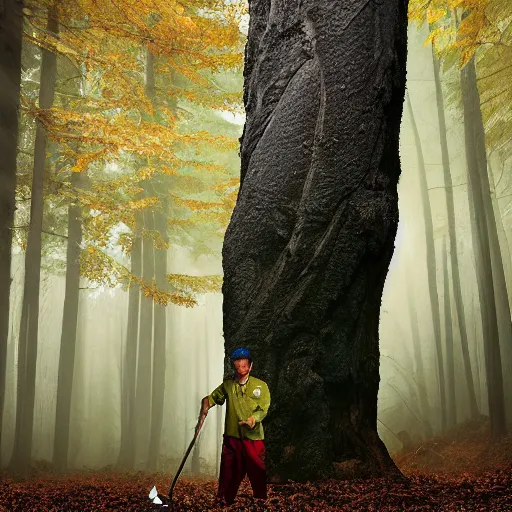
242	367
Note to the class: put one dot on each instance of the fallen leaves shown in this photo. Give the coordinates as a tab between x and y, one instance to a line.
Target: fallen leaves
89	492
473	473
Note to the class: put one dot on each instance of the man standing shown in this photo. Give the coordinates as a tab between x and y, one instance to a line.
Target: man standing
243	449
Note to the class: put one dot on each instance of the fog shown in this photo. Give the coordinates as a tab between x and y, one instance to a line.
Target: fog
194	348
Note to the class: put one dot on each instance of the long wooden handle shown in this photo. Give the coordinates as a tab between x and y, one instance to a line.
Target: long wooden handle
199	425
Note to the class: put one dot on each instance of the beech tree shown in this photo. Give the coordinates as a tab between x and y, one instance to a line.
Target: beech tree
97	124
309	243
10	64
454	258
28	337
478	34
431	265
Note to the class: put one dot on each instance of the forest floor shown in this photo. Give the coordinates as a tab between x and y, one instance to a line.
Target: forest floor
462	471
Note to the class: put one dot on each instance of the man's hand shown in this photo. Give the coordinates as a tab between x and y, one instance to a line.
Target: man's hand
205	404
251	421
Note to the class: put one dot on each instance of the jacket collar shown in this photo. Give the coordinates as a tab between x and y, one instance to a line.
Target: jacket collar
242	383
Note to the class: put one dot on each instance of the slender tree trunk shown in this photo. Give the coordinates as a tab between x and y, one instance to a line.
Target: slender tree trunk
145	372
307	250
69	331
418	358
452	231
160	335
484	231
502	235
27	352
499	250
159	314
431	266
126	459
10	78
143	394
477	347
451	413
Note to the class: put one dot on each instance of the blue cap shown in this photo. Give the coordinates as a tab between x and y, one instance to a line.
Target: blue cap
241	353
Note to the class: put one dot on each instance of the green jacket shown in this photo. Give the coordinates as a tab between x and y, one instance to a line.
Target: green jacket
249	399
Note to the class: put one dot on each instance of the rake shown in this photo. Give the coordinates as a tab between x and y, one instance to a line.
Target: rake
166	502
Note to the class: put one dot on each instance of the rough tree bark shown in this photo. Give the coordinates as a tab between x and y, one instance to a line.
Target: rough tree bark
27	352
454	259
311	237
10	78
431	265
484	231
69	331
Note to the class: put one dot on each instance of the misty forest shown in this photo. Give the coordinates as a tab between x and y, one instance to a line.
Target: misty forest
326	182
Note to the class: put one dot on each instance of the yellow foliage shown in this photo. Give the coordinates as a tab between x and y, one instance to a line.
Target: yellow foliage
196	284
480	29
435	14
194	204
84	159
98	267
114	119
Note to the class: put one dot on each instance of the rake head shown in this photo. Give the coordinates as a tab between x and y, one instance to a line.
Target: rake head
160	501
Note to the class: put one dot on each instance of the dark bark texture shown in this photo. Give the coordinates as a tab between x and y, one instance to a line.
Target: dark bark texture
308	247
10	77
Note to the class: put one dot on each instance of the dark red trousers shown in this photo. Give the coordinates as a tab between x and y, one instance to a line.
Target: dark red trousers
240	457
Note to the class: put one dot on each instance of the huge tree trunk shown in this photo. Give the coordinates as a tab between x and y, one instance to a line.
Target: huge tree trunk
483	231
69	332
454	259
308	247
10	77
27	352
431	266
